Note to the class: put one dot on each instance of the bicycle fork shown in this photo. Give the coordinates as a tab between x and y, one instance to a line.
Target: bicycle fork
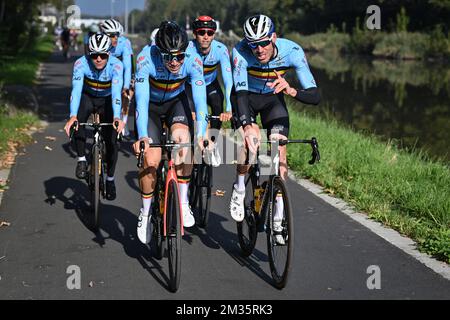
171	176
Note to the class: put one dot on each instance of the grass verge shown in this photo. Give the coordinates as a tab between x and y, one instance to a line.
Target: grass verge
21	68
403	190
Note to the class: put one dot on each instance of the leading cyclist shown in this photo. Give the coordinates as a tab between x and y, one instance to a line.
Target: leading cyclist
260	62
162	70
96	85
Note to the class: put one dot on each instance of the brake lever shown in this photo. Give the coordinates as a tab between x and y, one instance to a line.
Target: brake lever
72	129
141	154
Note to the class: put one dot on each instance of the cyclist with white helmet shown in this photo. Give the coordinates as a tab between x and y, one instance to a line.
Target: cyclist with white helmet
260	62
96	86
121	49
162	70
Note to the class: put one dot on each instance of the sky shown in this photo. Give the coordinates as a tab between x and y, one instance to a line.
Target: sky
103	7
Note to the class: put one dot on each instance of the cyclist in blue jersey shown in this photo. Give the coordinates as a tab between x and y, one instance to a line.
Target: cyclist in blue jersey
162	70
260	62
213	54
96	87
121	49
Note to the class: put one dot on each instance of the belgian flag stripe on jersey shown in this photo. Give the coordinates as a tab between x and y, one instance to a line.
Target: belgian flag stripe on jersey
166	85
210	68
96	84
266	73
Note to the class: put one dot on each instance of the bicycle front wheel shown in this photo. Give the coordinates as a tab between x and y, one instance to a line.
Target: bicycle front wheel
173	225
280	233
95	188
247	229
204	195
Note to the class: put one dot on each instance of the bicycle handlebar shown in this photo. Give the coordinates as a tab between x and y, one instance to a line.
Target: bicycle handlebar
168	144
92	124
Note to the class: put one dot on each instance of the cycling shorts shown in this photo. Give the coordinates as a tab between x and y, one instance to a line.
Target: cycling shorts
271	107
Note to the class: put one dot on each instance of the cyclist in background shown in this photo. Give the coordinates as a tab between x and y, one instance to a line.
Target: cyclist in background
260	61
96	86
162	70
65	41
213	54
153	36
121	49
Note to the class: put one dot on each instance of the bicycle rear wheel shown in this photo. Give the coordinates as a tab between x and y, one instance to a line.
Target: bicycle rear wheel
280	241
95	189
204	195
173	225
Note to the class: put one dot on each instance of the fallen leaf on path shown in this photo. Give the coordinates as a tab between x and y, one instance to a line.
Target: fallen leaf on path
50	138
4	223
219	193
48	148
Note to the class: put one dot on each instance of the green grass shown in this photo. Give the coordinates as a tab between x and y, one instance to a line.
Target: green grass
404	190
13	126
21	69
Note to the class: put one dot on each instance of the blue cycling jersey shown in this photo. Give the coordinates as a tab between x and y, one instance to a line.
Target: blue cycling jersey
123	52
97	83
218	54
249	74
155	83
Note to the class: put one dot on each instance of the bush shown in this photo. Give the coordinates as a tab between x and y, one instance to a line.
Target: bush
402	45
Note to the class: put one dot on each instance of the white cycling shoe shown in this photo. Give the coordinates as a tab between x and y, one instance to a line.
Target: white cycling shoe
188	217
237	205
216	160
144	228
278	228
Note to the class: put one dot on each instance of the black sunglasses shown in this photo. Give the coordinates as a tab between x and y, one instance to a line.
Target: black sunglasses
167	57
203	32
264	43
113	35
94	56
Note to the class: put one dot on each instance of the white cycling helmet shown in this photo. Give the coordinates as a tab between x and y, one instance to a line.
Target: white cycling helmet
111	26
99	43
153	35
258	27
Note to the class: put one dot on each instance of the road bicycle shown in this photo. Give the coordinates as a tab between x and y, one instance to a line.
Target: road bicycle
96	165
260	203
166	214
201	185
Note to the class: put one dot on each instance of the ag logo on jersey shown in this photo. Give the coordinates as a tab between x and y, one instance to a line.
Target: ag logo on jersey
199	82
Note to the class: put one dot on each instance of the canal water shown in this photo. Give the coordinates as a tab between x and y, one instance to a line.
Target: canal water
404	101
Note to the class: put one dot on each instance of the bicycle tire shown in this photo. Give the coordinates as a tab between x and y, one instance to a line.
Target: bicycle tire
247	228
95	190
173	235
280	271
204	195
157	233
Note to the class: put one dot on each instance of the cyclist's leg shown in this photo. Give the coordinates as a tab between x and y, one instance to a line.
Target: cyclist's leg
215	100
275	119
147	177
180	123
110	134
84	111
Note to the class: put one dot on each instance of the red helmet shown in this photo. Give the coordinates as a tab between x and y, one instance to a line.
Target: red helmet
204	22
